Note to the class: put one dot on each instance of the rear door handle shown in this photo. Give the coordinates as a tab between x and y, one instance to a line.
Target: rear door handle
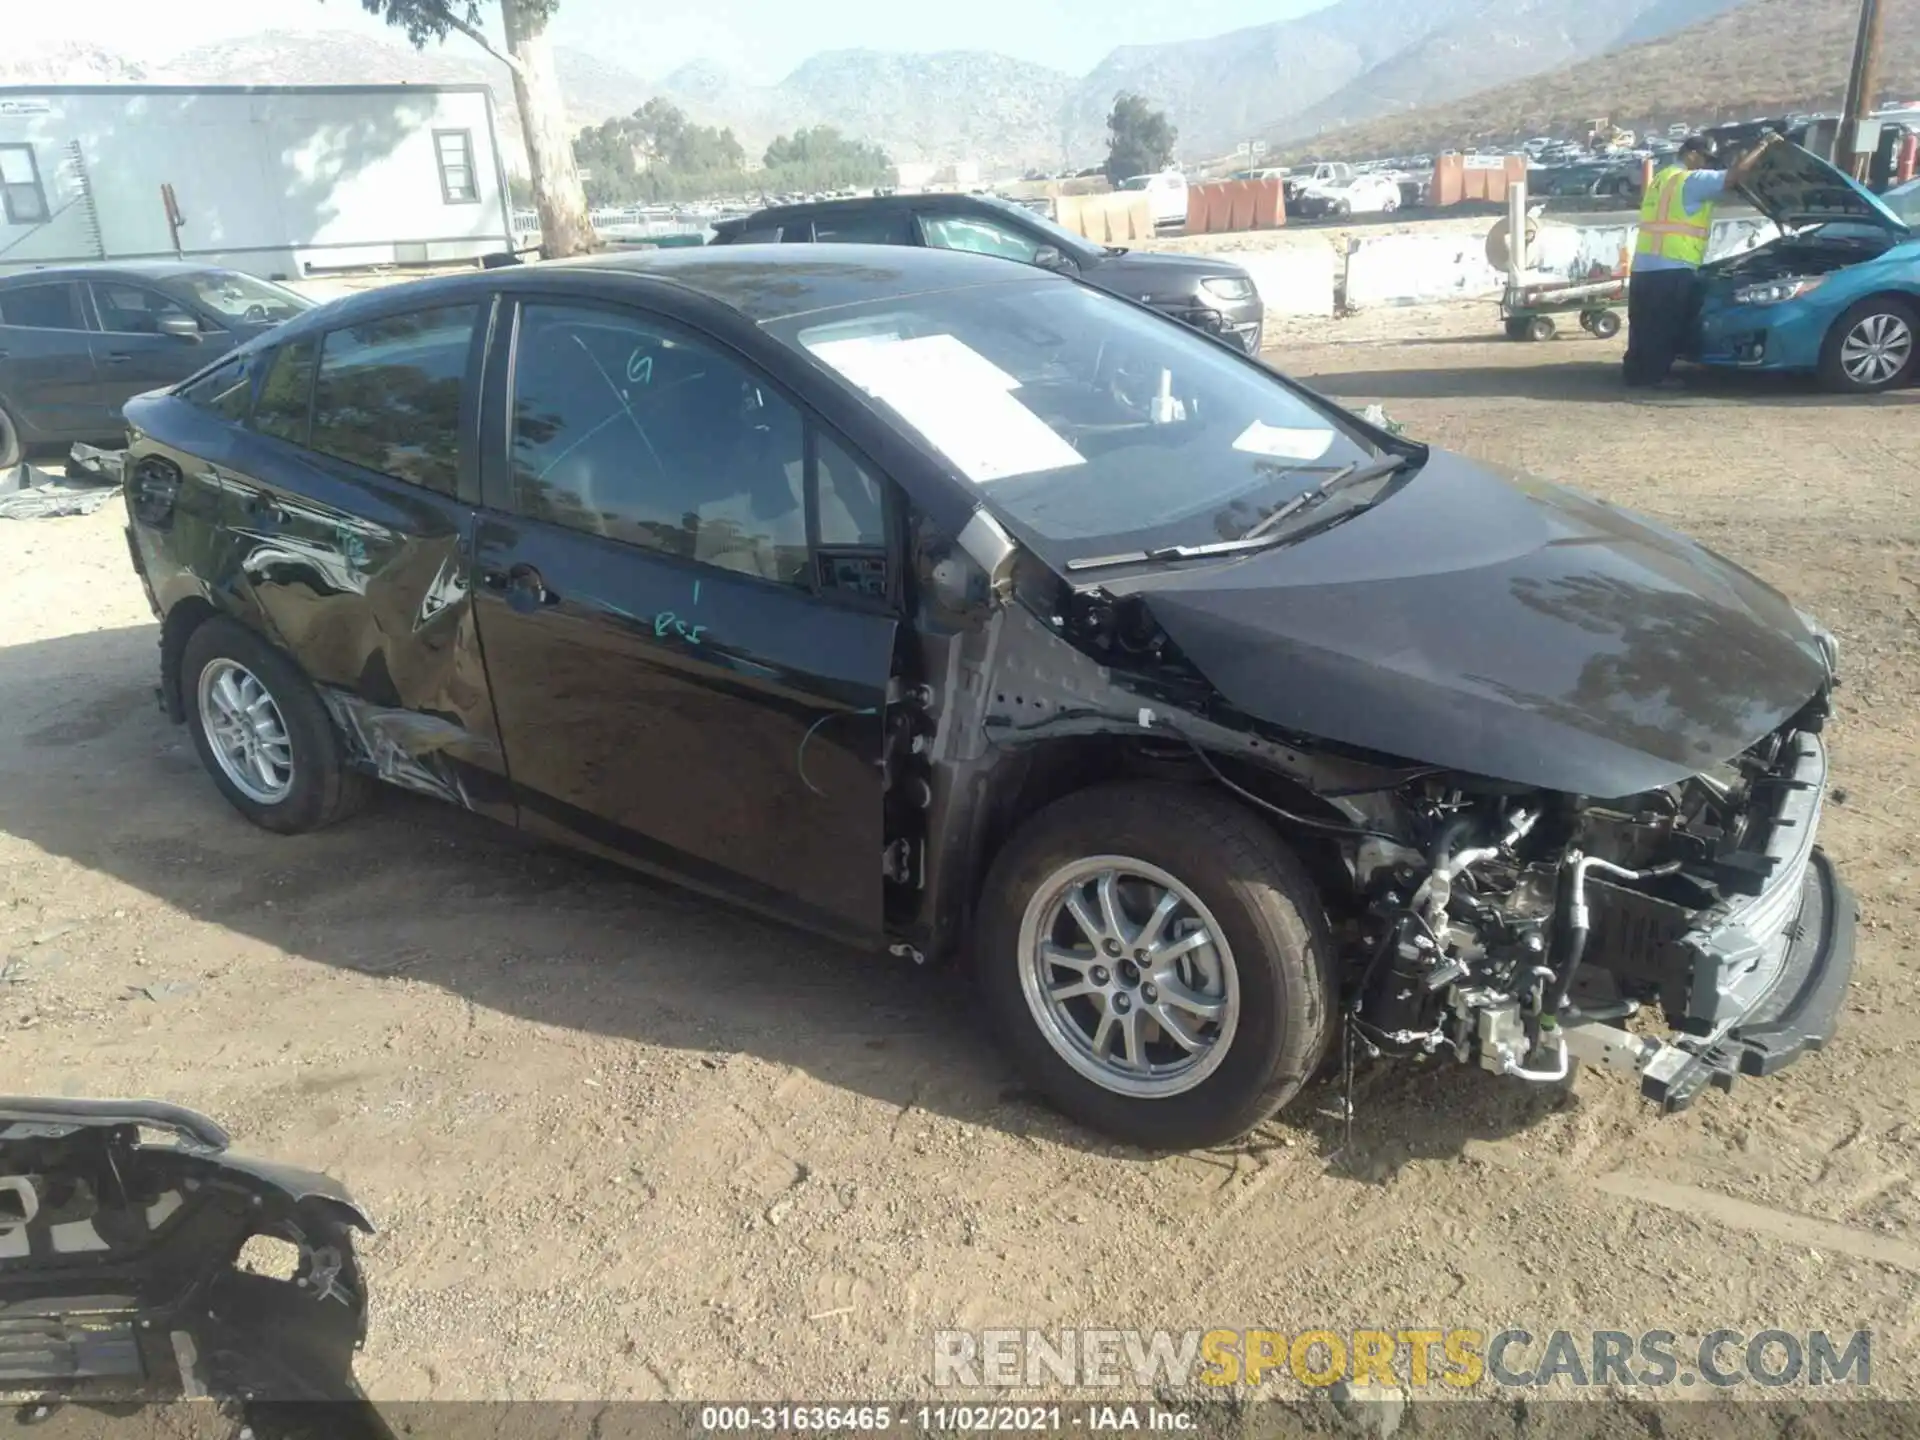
119	357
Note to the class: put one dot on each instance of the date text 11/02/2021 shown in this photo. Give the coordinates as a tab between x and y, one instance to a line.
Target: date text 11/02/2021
947	1419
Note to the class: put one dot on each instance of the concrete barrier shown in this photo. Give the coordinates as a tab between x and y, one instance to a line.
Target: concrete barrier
1299	280
1421	269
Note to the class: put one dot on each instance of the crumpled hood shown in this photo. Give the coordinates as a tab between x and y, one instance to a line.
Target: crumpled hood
1496	624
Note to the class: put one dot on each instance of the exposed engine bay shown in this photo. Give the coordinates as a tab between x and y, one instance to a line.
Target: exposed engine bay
1819	251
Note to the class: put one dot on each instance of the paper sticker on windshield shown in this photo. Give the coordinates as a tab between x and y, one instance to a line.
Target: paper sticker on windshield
960	401
1284	442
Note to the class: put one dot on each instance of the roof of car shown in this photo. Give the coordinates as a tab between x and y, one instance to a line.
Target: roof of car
114	270
760	282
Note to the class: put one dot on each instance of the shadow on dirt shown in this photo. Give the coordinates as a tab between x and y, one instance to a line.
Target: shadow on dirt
1583	382
415	889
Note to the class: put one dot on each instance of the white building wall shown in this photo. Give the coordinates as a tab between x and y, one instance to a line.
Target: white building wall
271	181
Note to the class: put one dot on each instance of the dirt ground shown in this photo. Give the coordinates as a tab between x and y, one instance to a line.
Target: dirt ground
623	1143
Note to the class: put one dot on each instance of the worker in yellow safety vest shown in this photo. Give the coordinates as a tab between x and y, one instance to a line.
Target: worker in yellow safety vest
1676	224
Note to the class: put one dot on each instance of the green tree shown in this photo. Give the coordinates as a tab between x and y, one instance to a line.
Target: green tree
528	56
1139	138
821	158
656	154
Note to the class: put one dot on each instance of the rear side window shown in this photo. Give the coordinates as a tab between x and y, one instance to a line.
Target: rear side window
224	391
286	393
881	227
388	396
54	306
759	235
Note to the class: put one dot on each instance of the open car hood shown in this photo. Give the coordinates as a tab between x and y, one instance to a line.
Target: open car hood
1498	625
1794	187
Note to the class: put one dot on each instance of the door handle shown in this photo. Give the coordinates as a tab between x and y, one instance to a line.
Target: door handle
119	357
523	586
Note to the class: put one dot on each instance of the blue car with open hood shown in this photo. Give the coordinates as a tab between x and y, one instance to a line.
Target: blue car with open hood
1836	295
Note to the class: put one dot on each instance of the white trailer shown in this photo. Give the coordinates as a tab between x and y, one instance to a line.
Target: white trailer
276	181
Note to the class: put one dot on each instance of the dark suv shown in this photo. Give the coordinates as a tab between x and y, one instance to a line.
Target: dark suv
1216	296
948	605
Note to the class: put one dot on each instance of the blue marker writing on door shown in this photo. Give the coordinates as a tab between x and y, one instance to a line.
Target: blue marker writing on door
668	622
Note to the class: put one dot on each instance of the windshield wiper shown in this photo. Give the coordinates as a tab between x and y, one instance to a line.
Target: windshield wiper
1344	478
1262	534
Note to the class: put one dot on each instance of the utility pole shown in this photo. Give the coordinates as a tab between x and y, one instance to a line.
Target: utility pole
1863	88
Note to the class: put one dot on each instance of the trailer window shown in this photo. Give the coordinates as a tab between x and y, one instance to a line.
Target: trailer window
21	193
454	151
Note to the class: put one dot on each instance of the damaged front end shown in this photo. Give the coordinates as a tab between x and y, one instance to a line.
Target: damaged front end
149	1270
1684	929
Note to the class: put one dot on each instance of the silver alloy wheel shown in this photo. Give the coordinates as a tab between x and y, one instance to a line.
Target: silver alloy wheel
246	731
1129	976
1877	348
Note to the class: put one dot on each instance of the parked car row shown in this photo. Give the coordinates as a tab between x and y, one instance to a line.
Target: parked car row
962	608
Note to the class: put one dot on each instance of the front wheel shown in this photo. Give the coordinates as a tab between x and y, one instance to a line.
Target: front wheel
1870	349
262	732
1157	963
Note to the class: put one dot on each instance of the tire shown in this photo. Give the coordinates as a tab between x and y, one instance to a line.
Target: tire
1871	348
1342	209
318	787
1541	327
1517	329
1606	324
12	452
1270	961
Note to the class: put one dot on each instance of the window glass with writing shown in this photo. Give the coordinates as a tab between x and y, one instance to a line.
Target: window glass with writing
630	431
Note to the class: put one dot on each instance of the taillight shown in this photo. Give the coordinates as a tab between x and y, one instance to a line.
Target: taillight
155	489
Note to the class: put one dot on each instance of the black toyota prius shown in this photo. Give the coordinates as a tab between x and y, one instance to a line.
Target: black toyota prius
961	608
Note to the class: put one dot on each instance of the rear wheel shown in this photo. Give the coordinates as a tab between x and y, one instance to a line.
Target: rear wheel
1541	327
11	450
262	732
1157	963
1606	324
1870	348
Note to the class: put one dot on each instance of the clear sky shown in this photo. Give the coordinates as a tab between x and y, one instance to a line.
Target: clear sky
761	39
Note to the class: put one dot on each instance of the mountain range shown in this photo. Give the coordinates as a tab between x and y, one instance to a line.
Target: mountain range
1766	57
1347	62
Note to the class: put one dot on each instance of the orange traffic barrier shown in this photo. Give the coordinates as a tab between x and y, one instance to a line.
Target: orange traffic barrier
1219	206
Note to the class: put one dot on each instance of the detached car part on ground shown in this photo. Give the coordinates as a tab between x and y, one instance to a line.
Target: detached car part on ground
1227	732
1836	295
127	1272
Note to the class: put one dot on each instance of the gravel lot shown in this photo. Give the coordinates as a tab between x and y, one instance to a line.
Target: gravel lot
623	1143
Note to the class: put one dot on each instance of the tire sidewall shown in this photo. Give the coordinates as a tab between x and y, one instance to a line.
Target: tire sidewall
12	449
1285	998
317	759
1834	375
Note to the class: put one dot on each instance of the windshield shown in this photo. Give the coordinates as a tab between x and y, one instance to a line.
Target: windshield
1091	426
1905	202
242	298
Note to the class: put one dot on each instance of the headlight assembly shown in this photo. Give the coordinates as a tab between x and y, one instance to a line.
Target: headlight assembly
1773	292
1227	287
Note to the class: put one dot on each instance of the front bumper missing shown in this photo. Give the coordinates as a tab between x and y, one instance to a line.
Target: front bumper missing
1769	974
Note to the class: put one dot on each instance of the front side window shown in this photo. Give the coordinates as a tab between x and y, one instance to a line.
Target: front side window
22	196
631	431
454	151
388	395
979	237
286	393
225	390
879	227
1093	427
134	309
52	306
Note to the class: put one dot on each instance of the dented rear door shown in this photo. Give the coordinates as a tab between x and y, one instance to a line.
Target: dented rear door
349	506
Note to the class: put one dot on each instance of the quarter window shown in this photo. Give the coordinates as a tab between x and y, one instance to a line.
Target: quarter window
851	512
388	395
224	391
22	195
53	306
286	393
453	149
630	431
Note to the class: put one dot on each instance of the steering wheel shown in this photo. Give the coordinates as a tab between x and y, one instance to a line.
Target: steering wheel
256	314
